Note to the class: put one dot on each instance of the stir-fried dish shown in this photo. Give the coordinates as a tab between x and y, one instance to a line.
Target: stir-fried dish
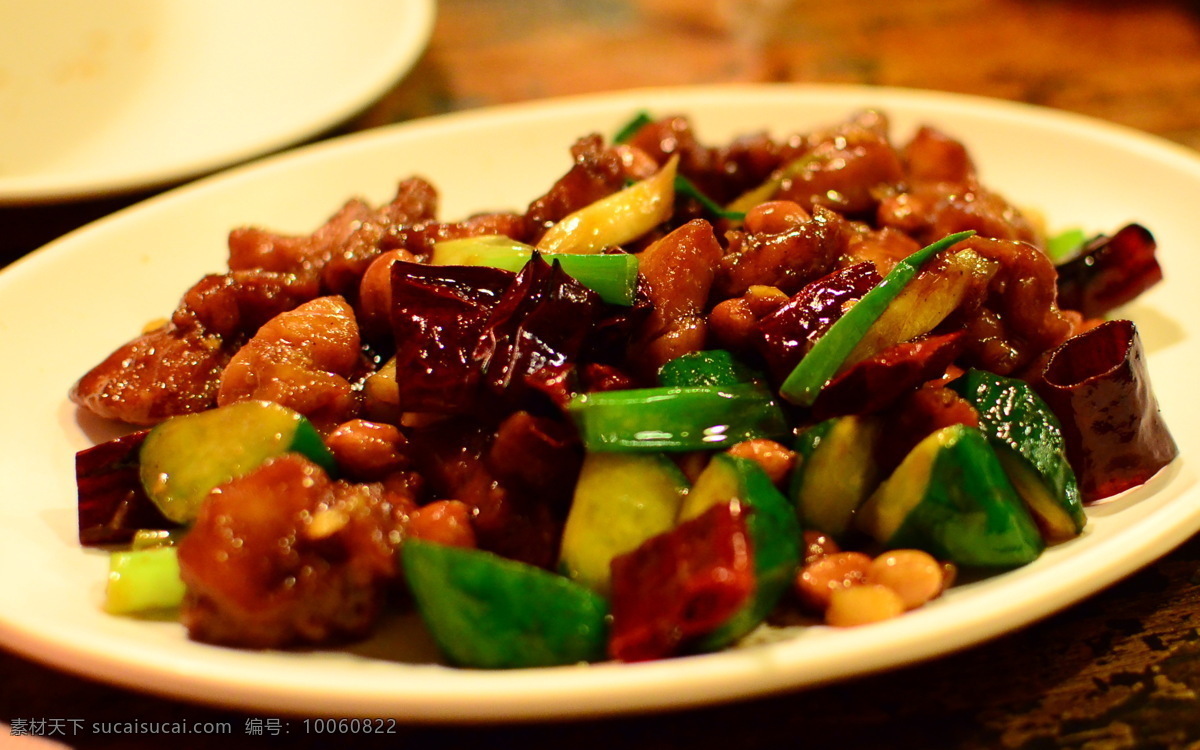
688	391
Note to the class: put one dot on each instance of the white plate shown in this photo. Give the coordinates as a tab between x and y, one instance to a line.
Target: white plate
108	97
67	306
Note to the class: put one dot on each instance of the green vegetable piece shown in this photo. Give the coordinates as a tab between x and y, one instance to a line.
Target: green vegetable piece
143	581
613	275
1065	245
620	501
684	186
836	472
151	538
630	129
676	419
774	533
489	612
714	367
185	457
1029	440
826	357
951	497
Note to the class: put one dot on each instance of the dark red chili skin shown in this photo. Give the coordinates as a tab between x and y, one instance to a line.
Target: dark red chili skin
112	503
1109	272
1098	385
680	585
877	382
786	335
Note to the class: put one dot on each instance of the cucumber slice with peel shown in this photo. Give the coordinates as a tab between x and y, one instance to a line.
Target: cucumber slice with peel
1029	440
951	497
489	612
835	473
620	501
185	457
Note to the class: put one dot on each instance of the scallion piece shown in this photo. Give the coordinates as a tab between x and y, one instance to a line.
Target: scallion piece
142	581
676	419
629	129
611	275
826	356
684	186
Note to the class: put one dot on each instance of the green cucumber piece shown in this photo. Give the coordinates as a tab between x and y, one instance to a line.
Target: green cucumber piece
835	472
185	457
951	497
676	419
143	581
611	275
620	501
1029	440
713	367
774	532
825	358
489	612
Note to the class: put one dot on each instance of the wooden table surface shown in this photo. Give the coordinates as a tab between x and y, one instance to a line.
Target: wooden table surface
1119	670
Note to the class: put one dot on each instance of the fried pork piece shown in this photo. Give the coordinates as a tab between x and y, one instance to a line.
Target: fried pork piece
1015	319
305	359
285	556
720	172
944	196
598	171
679	271
176	368
339	252
355	225
785	257
165	372
254	247
846	168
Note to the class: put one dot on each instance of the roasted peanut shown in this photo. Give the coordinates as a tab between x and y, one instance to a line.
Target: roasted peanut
914	575
732	323
775	217
819	580
774	459
863	604
818	544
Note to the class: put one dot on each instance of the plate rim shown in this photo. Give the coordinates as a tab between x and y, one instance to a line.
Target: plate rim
398	61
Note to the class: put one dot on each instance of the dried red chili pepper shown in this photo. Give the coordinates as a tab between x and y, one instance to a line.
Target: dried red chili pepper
877	382
681	584
1098	385
1109	272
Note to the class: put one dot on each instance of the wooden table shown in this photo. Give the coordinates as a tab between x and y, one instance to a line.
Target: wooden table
1119	670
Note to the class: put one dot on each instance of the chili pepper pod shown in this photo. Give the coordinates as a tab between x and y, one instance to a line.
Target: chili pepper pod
1099	386
716	575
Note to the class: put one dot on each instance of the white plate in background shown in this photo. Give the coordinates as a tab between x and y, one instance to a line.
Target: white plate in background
68	305
107	97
